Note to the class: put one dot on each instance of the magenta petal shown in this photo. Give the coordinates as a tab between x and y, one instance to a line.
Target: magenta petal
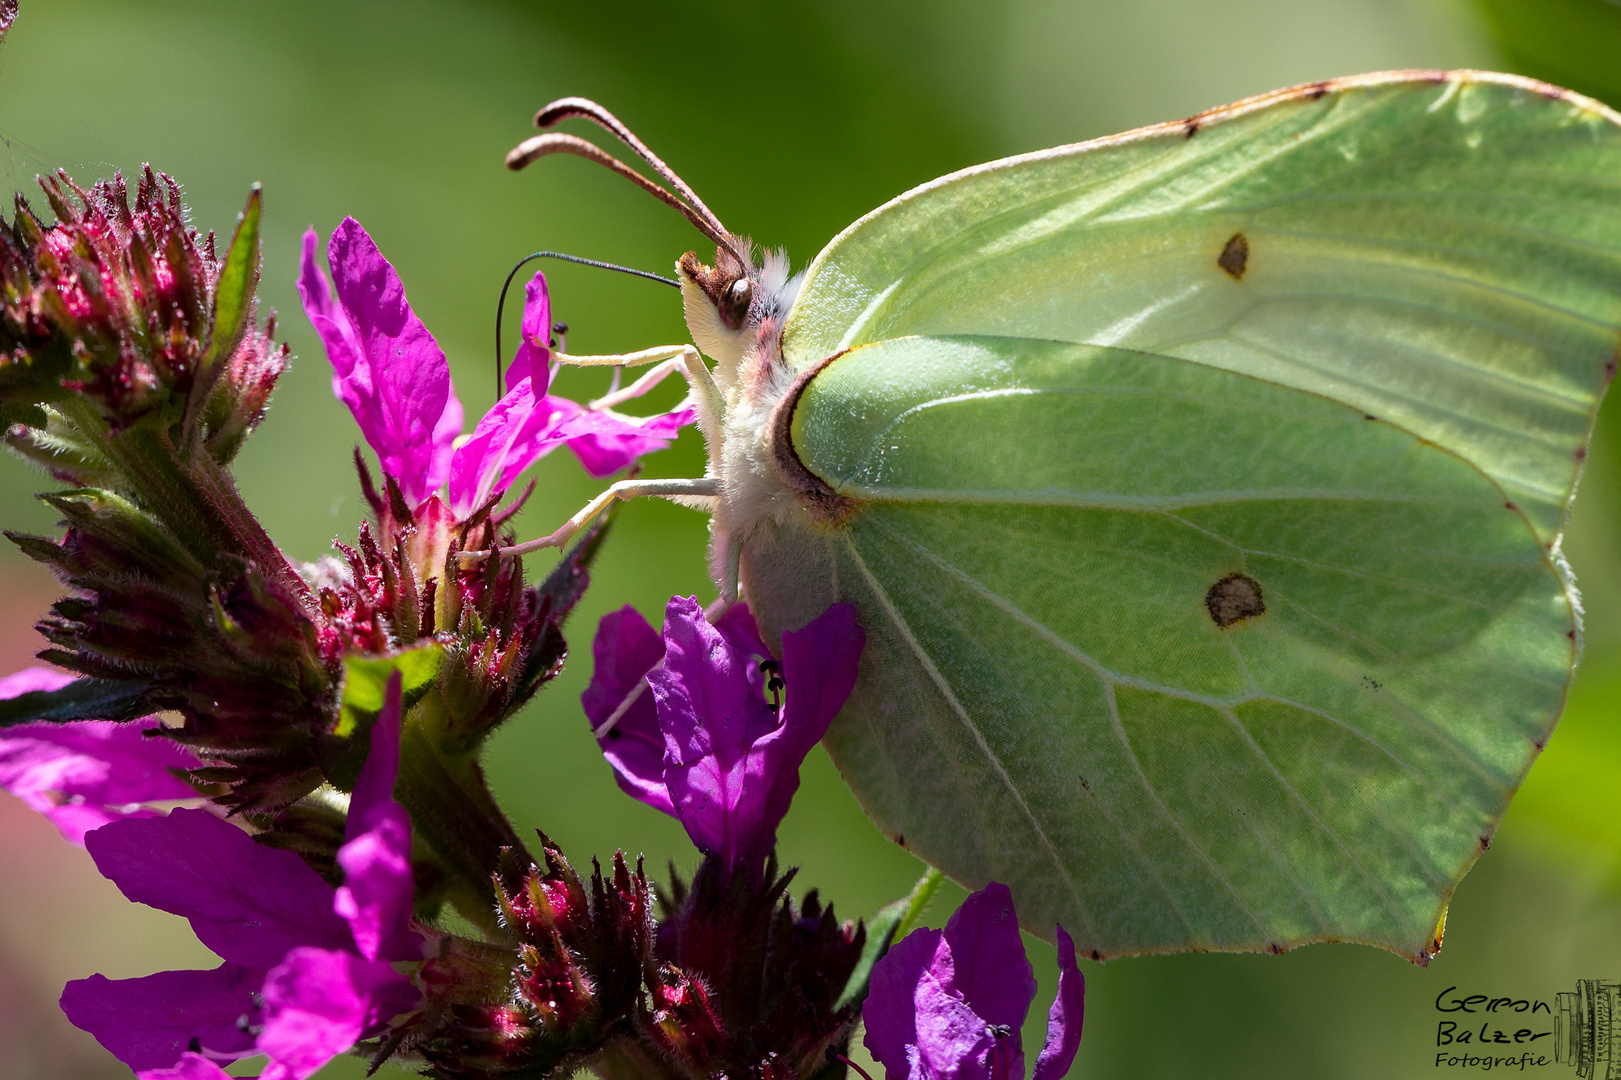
819	670
387	368
1064	1018
819	667
711	721
889	1012
534	358
604	451
625	650
191	1067
148	1023
378	888
374	787
954	1041
738	627
443	445
82	775
319	1003
248	902
331	324
30	679
509	438
984	961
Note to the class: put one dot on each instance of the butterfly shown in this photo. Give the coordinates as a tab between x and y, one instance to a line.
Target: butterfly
1200	490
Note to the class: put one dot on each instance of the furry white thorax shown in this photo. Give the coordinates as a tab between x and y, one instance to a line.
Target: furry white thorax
752	377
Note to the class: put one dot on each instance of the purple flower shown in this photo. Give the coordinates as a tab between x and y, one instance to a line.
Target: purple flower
604	451
525	425
393	376
528	422
708	748
385	365
948	1005
307	970
83	774
604	441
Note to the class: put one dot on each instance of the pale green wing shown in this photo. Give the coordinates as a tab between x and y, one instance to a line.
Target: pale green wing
1442	250
1047	699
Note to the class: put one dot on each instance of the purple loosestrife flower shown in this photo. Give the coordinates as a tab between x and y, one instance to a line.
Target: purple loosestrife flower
385	365
948	1005
307	970
708	748
83	774
393	376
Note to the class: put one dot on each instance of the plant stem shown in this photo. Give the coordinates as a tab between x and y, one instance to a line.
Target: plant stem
454	811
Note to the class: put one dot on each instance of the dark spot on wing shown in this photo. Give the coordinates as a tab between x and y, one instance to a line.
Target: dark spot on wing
1190	127
1371	683
1581	453
1275	949
1485	842
1510	506
899	838
1571	634
1235	256
1369	416
1096	955
1085	785
1234	598
1317	90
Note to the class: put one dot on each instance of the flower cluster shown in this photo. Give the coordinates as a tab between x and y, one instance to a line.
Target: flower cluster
127	311
288	757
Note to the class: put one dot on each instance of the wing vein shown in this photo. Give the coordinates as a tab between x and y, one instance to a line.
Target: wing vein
944	687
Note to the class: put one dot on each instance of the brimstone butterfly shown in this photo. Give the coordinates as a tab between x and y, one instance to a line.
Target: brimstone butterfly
1200	490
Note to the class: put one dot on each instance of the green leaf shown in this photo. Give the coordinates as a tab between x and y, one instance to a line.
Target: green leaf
892	922
27	413
82	699
239	277
343	750
366	680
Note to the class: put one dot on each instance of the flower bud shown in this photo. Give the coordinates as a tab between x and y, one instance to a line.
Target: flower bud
131	310
775	969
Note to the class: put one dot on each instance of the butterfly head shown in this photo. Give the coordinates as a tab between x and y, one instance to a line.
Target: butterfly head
731	306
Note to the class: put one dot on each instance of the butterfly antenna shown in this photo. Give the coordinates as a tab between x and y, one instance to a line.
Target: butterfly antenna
501	304
558	143
583	108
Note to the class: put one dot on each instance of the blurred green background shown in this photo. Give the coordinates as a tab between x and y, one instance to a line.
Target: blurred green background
791	119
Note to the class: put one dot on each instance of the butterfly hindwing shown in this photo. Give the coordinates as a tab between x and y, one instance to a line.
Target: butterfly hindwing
1186	658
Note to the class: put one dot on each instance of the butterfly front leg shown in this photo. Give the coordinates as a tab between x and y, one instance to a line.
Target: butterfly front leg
707	399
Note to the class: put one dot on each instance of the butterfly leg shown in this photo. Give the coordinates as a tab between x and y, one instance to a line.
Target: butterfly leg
624	489
685	358
711	407
633	359
652	378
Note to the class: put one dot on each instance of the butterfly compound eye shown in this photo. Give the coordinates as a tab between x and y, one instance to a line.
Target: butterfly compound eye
734	302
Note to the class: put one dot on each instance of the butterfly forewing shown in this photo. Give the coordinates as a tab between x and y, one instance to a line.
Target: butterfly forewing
1186	658
1441	250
